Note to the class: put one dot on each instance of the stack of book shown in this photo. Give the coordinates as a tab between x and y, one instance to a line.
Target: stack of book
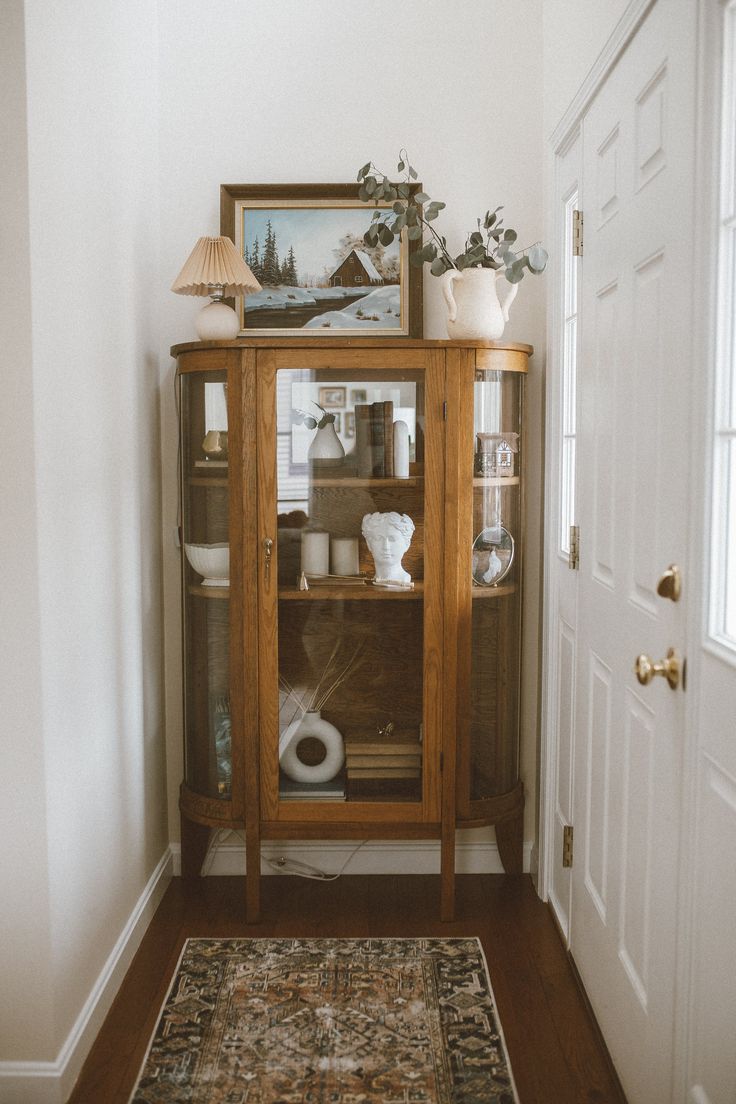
311	791
387	759
374	440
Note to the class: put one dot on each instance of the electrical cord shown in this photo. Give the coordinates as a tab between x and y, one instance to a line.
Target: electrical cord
303	870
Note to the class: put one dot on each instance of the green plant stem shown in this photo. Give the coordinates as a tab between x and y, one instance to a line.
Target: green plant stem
423	222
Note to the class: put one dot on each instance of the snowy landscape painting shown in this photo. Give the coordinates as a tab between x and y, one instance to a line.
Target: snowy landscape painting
318	276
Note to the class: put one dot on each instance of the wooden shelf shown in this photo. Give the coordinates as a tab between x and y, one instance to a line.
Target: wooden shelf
347	593
495	480
493	592
208	591
352	482
208	481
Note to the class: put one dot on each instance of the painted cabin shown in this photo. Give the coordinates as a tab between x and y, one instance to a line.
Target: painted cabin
356	270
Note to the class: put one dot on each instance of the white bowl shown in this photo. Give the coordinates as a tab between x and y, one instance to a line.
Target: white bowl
211	561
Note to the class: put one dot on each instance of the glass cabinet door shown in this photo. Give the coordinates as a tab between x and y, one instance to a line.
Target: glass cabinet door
352	562
206	563
489	717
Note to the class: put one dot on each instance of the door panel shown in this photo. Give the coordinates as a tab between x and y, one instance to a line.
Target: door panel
634	385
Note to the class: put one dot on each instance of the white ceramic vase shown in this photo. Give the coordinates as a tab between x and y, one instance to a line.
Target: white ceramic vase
326	446
311	724
475	312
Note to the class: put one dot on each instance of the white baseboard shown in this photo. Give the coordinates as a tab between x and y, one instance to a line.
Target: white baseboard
52	1082
227	856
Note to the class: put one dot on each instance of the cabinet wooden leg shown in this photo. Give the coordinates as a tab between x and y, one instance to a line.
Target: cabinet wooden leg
252	877
195	839
510	840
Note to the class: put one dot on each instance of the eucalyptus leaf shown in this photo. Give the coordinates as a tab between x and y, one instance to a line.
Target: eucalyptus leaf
412	216
403	190
400	167
438	266
412	173
510	235
365	170
414	232
430	214
363	193
385	234
398	207
538	258
398	224
370	184
476	238
421	197
377	214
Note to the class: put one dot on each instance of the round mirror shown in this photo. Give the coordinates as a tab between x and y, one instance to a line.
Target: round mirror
493	555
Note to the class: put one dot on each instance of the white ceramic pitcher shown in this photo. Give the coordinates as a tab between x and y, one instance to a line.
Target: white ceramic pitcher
475	312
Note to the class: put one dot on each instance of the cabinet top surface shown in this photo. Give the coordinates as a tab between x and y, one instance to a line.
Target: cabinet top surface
345	343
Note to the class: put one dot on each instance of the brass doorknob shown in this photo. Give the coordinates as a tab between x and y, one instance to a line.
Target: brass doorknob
670	584
646	669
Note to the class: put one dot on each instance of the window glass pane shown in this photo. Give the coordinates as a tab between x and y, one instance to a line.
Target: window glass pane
722	597
569	380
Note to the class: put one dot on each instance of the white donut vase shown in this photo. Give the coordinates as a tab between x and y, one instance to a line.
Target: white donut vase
312	725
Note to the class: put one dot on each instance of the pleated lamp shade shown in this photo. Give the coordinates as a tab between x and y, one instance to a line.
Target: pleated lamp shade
215	268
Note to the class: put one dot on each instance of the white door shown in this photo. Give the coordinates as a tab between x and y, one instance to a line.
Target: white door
635	381
710	1035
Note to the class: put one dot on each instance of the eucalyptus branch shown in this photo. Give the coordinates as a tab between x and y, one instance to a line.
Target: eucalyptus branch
414	213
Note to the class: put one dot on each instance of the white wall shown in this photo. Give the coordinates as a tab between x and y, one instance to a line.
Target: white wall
575	32
295	92
85	788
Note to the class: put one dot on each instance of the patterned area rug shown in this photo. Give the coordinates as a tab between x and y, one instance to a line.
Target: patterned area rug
328	1021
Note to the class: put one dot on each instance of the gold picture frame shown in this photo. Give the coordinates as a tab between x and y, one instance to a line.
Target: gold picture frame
304	244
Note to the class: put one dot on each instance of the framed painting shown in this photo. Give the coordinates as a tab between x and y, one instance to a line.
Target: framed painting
304	244
332	398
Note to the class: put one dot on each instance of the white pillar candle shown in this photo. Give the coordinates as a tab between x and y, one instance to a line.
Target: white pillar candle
315	552
401	450
344	555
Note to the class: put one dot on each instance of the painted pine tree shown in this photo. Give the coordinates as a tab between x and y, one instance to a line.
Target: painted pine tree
255	262
271	269
289	273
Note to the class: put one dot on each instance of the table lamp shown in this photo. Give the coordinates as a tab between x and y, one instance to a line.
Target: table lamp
215	268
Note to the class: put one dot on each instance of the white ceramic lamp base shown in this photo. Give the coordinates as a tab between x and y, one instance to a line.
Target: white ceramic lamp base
217	322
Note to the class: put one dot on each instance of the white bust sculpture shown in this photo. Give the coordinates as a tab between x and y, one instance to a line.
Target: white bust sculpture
388	537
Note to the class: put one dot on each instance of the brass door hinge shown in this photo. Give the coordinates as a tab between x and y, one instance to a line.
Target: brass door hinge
573	556
567	834
577	233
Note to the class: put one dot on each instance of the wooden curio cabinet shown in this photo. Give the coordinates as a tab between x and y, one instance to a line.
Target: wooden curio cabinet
352	593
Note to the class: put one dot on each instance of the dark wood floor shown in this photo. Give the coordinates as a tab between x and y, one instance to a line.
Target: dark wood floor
555	1051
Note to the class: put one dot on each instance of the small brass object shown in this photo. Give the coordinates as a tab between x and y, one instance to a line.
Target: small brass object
670	585
646	669
267	548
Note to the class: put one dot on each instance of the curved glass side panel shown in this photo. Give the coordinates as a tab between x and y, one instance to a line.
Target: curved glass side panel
493	710
205	566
